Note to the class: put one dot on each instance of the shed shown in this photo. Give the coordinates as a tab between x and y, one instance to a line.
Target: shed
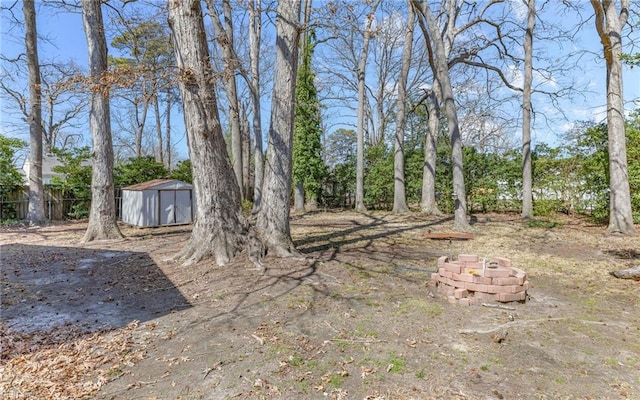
158	202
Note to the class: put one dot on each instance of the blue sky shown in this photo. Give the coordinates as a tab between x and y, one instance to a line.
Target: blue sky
67	41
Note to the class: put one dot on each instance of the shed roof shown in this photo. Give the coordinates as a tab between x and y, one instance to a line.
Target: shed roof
159	184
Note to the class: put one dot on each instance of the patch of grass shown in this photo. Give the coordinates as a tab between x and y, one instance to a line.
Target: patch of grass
484	367
542	223
364	332
296	360
421	306
420	374
590	302
396	363
304	386
294	303
335	380
373	303
113	372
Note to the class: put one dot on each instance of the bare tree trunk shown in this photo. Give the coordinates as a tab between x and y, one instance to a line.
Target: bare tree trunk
399	195
168	130
246	153
224	37
609	26
273	218
442	73
35	214
141	122
362	65
527	180
102	217
255	27
159	152
298	198
428	203
219	225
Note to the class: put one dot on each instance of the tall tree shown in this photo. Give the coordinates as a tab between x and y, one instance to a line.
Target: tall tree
273	218
441	71
362	66
428	202
225	39
255	29
399	197
146	55
609	23
219	224
35	215
527	180
308	166
102	217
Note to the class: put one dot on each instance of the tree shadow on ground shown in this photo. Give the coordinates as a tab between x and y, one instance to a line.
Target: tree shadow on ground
45	287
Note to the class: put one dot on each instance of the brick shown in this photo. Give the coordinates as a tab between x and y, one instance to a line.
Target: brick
505	289
451	267
526	285
442	260
483	280
497	273
465	301
506	281
452	299
452	282
521	275
507	297
468	257
493	289
463	277
435	277
460	293
475	287
503	262
445	273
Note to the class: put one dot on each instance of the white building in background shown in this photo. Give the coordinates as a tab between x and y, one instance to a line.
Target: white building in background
49	161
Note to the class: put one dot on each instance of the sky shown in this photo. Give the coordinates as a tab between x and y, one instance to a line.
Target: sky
67	41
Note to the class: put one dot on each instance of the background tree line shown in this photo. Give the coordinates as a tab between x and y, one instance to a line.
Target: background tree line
434	86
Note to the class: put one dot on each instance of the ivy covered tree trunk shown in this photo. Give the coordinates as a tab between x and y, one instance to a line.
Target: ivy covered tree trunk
35	214
273	218
308	165
219	225
102	216
399	193
609	25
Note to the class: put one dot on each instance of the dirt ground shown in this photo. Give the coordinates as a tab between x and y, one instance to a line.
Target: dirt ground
354	318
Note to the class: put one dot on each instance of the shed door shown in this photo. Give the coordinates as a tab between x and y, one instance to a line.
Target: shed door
183	206
175	207
167	207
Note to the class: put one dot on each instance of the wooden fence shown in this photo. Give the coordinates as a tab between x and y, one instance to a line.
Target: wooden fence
59	204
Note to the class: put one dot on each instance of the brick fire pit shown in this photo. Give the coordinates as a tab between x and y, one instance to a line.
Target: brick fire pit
469	280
